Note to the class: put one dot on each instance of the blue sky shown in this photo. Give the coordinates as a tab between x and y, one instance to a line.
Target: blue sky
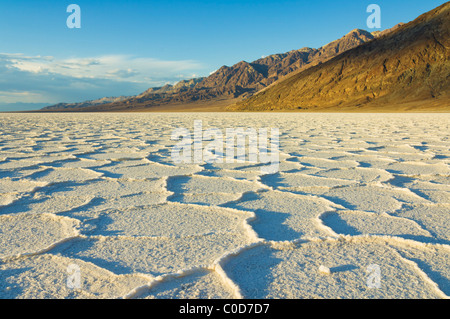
125	47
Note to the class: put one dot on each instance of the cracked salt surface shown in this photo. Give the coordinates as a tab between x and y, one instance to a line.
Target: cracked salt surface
102	193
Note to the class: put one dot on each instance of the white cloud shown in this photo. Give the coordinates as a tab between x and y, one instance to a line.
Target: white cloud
123	74
118	67
26	78
23	96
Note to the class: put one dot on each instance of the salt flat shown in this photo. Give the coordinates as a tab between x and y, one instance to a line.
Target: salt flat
100	193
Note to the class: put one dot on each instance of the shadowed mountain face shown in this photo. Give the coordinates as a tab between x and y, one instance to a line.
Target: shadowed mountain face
405	69
237	82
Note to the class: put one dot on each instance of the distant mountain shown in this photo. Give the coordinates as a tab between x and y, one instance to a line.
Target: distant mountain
104	100
229	84
179	87
164	90
405	69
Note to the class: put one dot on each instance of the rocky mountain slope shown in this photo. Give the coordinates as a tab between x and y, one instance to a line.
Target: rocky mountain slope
405	69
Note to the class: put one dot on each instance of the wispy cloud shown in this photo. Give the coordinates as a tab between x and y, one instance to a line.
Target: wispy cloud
25	78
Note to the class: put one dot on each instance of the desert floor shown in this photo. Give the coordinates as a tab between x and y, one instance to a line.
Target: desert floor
93	206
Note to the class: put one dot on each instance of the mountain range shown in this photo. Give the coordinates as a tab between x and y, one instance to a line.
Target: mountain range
103	100
228	84
406	69
403	68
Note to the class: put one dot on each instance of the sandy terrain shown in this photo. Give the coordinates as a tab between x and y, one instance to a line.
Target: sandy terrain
92	206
